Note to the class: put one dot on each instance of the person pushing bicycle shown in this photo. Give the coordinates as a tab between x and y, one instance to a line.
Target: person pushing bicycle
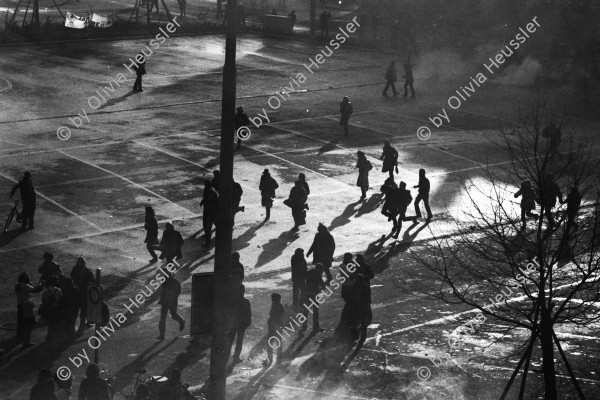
27	192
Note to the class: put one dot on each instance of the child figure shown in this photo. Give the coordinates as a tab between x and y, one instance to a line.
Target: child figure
275	322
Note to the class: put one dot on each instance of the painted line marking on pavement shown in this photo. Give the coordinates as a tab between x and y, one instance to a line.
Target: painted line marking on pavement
278	385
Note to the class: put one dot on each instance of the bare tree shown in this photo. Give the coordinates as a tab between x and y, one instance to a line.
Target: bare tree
537	278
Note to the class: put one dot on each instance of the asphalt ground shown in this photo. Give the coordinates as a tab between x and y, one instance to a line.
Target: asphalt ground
156	148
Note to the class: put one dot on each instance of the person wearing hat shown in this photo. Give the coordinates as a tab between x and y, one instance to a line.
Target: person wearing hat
241	119
27	193
267	188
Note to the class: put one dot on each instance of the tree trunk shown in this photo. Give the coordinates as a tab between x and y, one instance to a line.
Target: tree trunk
547	343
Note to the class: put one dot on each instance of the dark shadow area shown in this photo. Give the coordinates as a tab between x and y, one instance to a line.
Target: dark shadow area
118	100
330	146
12	234
344	217
370	205
243	241
195	351
274	247
301	341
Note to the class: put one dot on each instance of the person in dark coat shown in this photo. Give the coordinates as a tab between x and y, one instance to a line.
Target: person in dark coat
363	268
241	119
573	202
170	243
389	208
390	159
323	247
391	78
28	199
553	134
314	285
297	202
140	70
424	188
243	321
364	166
527	202
210	201
50	311
408	79
402	199
275	322
68	307
344	331
551	193
93	387
267	188
302	180
348	259
362	306
346	111
82	276
151	227
49	267
216	180
44	387
236	198
298	276
237	268
169	297
25	308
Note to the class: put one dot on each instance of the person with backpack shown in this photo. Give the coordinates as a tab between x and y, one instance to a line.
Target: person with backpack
82	276
50	311
169	297
346	111
364	166
93	387
267	188
171	243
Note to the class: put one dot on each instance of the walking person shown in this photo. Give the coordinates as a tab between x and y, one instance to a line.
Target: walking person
82	276
93	387
169	296
527	202
364	166
390	159
210	201
140	70
267	188
297	202
28	199
323	247
298	276
362	300
314	285
25	308
170	243
408	79
391	78
182	5
241	120
551	192
424	188
389	208
402	199
243	321
151	227
275	322
573	202
346	111
553	135
236	199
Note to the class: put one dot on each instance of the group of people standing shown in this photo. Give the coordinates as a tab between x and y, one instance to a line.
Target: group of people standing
391	77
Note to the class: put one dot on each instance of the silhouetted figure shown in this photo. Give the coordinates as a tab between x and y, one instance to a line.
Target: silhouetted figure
363	268
276	315
314	285
402	200
44	387
324	18
267	188
169	297
151	227
28	199
82	276
364	166
573	202
51	312
298	276
551	193
527	202
153	3
93	387
236	198
237	268
362	306
346	111
390	159
210	201
140	70
68	307
170	243
243	321
302	180
552	133
408	79
25	308
182	5
391	78
297	202
241	120
389	208
424	188
323	247
49	267
216	180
